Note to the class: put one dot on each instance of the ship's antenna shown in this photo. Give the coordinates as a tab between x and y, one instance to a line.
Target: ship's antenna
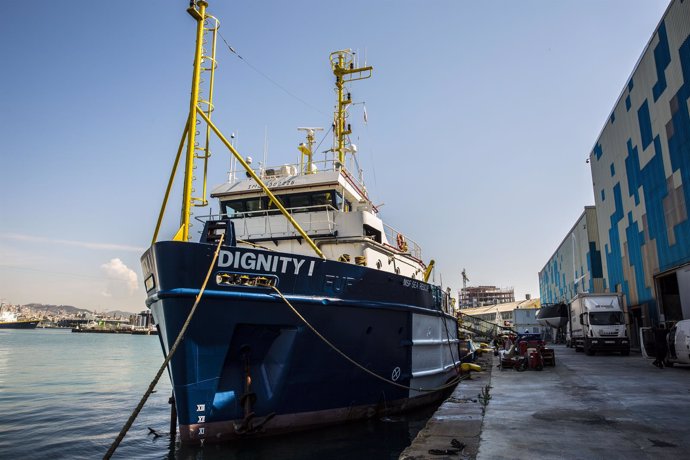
265	146
307	150
233	162
345	70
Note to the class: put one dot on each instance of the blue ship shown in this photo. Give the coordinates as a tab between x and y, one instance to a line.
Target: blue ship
297	307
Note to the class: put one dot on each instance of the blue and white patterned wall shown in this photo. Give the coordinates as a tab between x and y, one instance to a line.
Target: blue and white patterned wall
576	264
641	166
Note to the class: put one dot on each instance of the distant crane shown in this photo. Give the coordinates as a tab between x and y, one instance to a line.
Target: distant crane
465	279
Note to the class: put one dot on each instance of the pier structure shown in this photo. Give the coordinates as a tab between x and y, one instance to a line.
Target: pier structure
610	407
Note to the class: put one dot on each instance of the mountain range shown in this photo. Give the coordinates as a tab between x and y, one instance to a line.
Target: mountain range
45	309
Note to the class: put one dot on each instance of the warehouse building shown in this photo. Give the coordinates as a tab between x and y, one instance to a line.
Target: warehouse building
641	178
576	265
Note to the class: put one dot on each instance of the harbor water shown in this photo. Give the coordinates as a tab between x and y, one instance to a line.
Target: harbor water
65	395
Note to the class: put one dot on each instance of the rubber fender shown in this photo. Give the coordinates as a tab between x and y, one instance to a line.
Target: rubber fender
466	367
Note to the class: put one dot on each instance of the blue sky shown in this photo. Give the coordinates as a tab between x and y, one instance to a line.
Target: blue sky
480	118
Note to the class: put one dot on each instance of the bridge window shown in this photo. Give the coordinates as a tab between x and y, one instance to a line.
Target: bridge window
299	202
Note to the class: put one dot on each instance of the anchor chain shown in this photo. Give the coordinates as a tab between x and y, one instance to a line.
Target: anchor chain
249	423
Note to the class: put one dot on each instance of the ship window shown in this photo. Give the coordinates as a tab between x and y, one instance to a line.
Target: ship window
230	208
306	200
322	198
271	206
254	204
298	201
371	232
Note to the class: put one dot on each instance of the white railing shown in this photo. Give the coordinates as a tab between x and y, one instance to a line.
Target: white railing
314	220
299	169
393	239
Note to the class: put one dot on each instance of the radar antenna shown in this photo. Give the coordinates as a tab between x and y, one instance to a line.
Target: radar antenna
307	150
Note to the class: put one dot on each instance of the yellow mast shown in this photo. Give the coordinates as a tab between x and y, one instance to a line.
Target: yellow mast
343	66
199	15
202	108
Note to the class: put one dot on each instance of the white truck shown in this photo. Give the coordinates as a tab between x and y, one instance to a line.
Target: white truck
597	323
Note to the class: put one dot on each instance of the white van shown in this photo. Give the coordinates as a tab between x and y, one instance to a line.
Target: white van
679	343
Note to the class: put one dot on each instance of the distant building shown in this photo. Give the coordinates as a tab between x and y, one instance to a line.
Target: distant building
477	296
525	319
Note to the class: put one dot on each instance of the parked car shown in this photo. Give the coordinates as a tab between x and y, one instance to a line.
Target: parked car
678	339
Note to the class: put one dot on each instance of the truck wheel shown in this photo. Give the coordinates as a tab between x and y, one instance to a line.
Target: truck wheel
625	352
589	351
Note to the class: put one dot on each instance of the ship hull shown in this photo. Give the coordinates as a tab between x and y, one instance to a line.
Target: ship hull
19	324
555	316
250	366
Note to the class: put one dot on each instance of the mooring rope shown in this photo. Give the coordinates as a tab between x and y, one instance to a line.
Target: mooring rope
180	336
373	374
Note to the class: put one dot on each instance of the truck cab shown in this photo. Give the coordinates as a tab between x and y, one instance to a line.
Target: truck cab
597	323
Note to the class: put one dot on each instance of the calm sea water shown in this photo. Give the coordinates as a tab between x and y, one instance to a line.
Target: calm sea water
65	395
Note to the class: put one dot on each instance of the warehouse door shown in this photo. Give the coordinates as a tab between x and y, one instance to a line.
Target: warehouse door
673	291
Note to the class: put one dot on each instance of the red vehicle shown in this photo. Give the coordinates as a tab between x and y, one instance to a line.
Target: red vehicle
530	352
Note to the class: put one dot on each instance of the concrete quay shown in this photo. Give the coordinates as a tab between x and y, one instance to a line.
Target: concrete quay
605	406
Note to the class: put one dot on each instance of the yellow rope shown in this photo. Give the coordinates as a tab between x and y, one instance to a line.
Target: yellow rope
180	336
373	374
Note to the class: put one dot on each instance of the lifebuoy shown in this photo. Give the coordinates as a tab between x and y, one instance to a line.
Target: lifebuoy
402	244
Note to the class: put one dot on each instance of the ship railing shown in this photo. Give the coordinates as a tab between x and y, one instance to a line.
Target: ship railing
299	169
402	243
318	220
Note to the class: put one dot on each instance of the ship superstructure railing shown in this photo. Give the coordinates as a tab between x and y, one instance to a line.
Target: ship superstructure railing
297	169
268	224
316	220
402	243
